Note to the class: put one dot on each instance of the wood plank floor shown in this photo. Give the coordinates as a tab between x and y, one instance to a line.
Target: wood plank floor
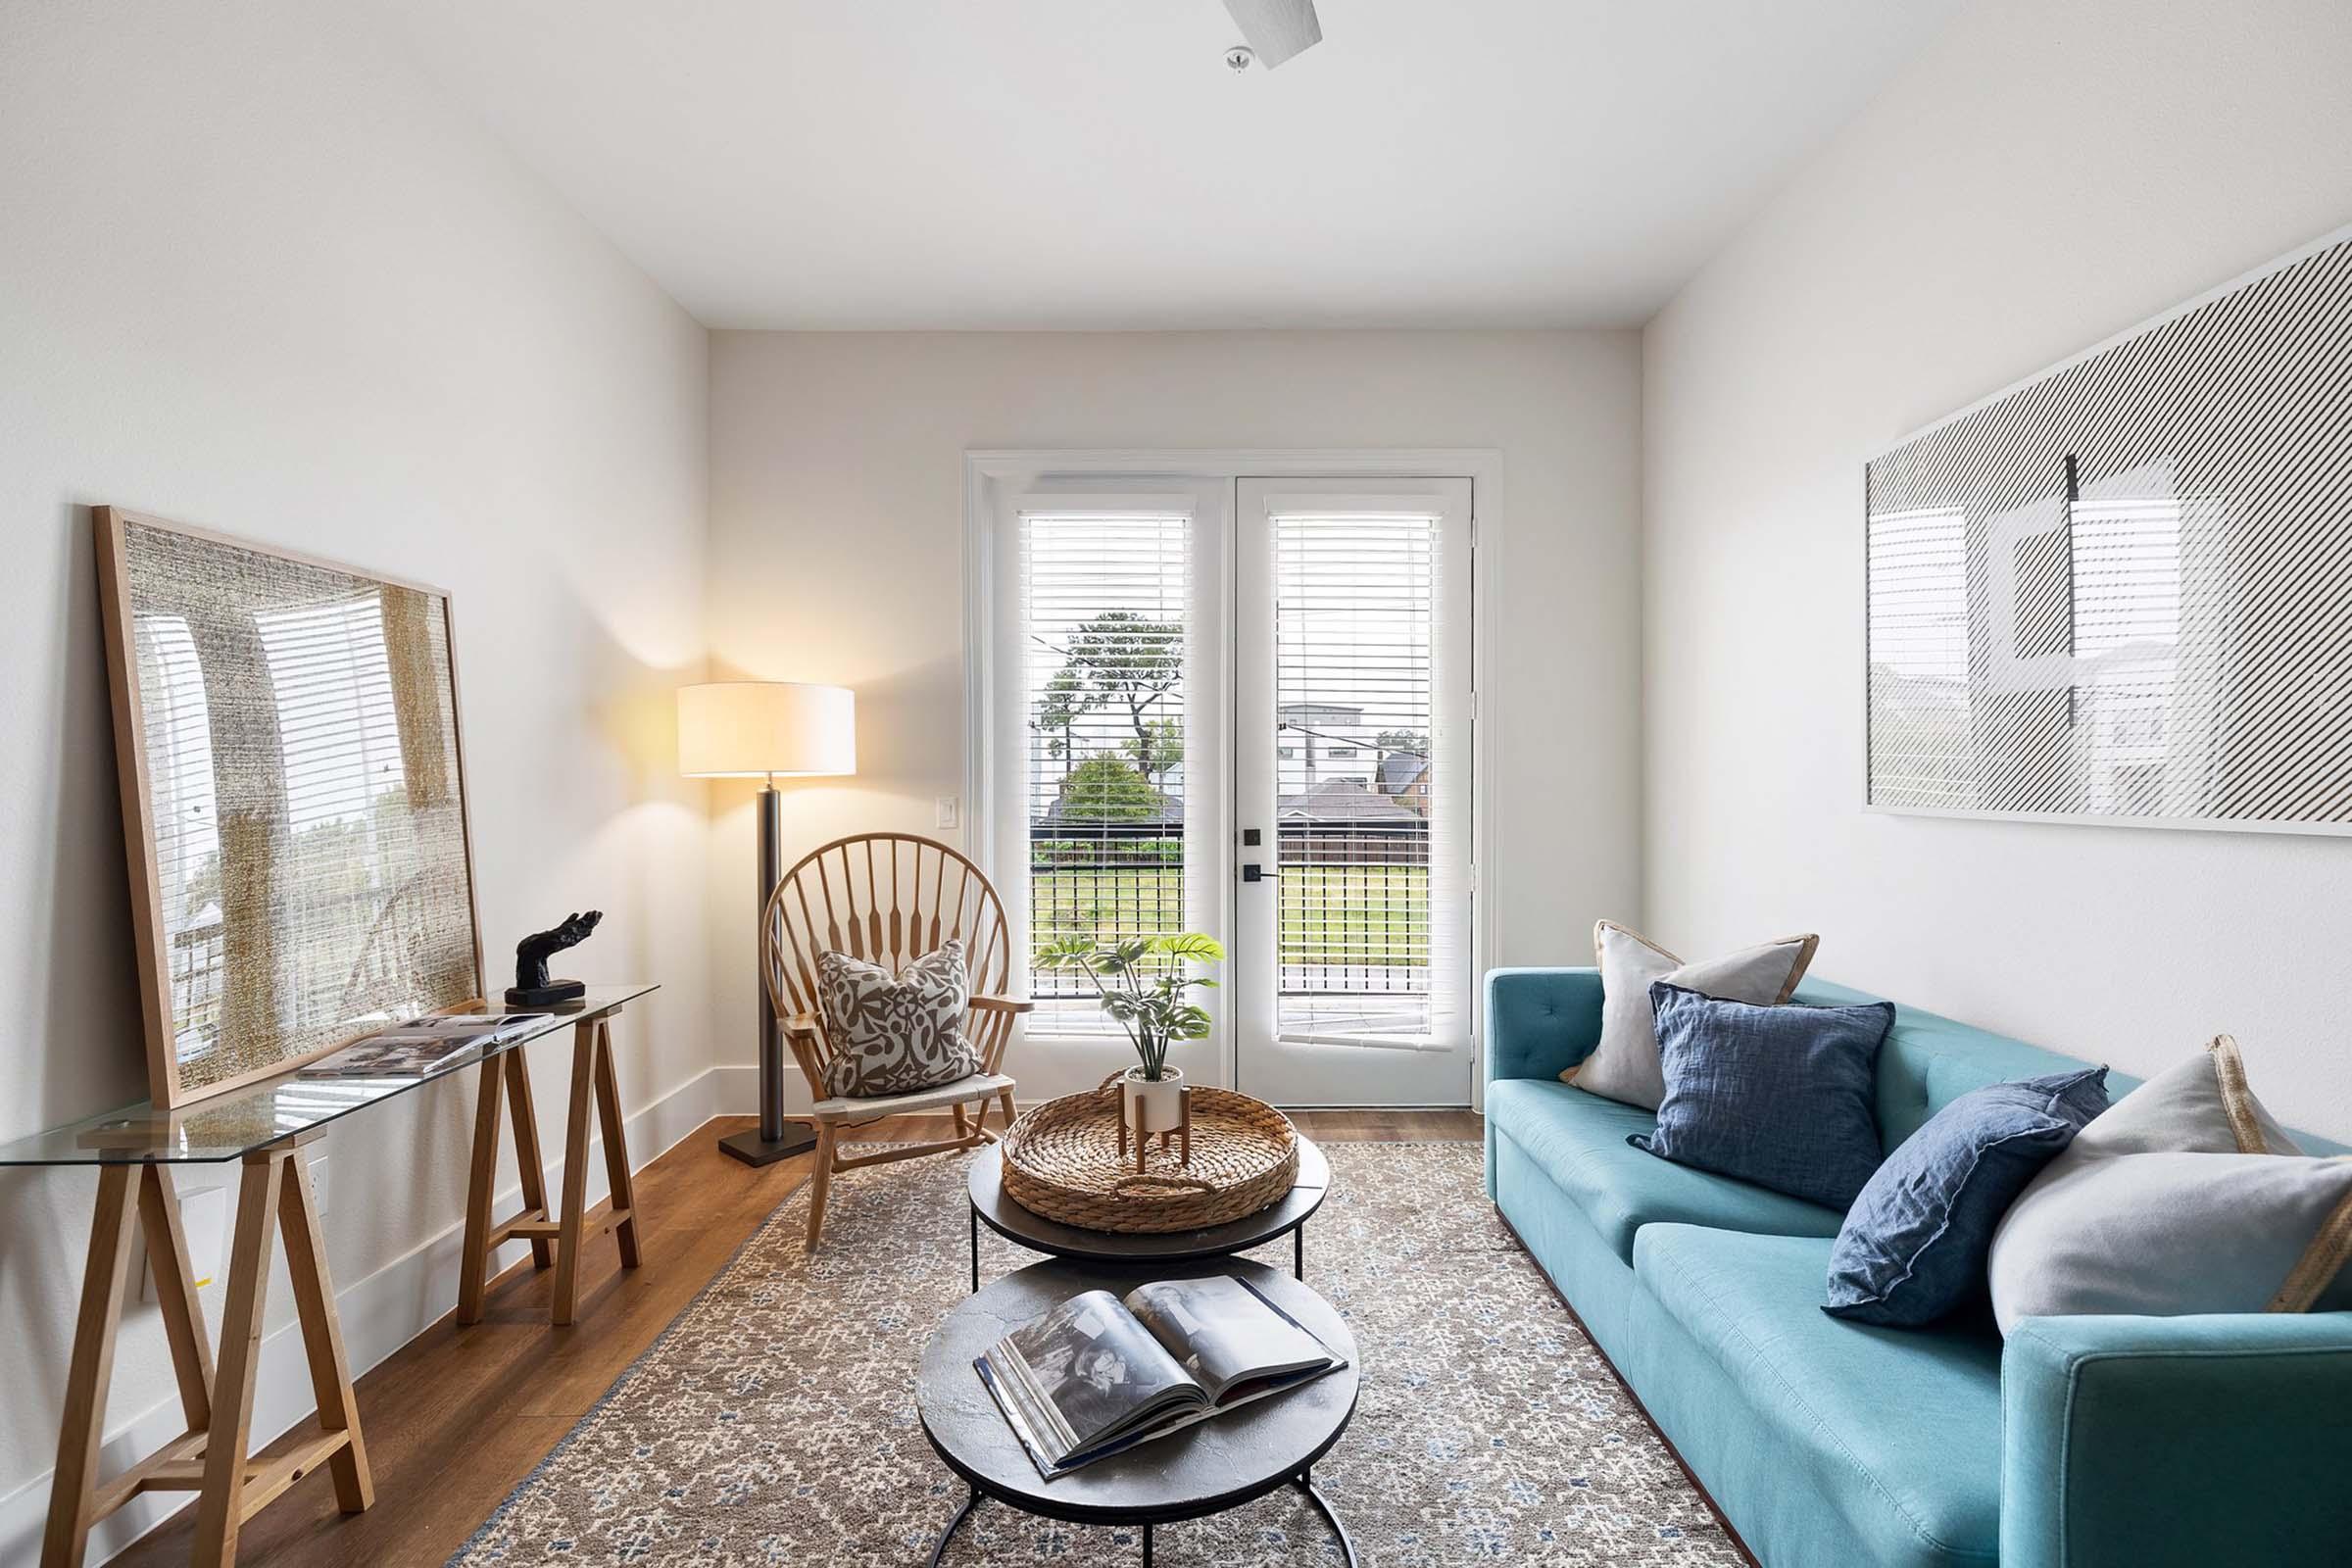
458	1416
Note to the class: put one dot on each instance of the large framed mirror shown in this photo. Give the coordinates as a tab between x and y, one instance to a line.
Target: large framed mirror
293	800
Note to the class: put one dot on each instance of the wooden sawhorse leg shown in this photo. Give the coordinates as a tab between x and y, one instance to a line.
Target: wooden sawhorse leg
76	1500
593	1078
208	1459
275	1194
506	1078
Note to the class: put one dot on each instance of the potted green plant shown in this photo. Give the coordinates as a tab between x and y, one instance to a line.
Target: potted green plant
1145	984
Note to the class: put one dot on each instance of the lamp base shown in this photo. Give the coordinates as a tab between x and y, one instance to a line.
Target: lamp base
752	1149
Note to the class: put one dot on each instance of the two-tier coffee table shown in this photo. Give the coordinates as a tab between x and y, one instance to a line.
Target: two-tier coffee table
1207	1468
1009	1220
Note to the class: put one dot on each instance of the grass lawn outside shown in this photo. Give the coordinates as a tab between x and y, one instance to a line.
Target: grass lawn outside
1338	915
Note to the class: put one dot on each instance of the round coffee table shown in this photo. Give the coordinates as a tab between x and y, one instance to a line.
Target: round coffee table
1206	1468
1009	1220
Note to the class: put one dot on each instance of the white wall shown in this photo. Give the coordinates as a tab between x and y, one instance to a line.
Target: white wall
2046	174
257	276
837	556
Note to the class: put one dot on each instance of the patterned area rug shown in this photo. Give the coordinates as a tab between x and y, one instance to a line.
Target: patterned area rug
774	1421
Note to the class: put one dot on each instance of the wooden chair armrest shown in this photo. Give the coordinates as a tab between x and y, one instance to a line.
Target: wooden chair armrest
1015	1004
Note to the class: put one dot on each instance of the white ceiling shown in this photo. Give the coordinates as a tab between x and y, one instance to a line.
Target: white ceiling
1093	163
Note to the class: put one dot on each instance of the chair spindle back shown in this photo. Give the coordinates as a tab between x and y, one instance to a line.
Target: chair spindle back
888	899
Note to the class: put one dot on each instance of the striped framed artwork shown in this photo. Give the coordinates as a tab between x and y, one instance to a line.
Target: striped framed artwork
2122	592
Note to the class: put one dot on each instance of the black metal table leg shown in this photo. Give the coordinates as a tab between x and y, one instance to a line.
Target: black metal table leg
976	1250
971	1501
1306	1484
1146	1547
1298	1254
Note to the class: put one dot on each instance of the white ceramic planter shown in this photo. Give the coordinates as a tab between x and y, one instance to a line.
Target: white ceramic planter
1151	1105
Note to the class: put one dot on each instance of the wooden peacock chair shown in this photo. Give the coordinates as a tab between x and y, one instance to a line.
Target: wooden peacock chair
888	899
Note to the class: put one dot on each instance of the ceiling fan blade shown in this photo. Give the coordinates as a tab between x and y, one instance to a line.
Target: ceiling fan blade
1276	29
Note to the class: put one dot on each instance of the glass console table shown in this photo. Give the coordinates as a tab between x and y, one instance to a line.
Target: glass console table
265	1127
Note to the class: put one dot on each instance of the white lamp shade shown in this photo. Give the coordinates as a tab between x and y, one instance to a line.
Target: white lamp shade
752	728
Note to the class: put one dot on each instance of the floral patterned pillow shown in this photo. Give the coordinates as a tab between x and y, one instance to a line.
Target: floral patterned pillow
892	1035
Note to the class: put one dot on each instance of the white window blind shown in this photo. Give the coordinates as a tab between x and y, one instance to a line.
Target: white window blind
1370	801
1104	611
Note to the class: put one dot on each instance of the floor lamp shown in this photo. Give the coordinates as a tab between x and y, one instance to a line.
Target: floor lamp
767	730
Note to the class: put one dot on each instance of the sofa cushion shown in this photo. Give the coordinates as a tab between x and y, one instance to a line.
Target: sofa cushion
1623	1066
2186	1197
1579	1141
1916	1242
1776	1096
1899	1430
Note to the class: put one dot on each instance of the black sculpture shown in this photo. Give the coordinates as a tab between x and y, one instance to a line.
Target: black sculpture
532	988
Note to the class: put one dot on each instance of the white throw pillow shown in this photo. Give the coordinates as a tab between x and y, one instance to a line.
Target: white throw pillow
2185	1197
1625	1064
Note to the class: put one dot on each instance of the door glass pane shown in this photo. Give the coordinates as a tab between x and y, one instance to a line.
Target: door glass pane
1104	602
1355	610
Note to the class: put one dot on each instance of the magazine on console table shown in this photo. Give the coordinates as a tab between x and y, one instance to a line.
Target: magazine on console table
1101	1373
419	1047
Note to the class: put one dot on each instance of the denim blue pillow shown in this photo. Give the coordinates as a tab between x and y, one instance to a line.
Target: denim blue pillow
1916	1243
1778	1095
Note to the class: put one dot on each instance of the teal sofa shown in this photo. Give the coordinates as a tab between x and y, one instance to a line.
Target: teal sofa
2083	1441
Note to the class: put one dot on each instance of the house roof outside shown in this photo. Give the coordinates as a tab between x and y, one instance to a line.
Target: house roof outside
1400	771
1344	801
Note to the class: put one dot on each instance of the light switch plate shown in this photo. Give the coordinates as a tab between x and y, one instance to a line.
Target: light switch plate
949	813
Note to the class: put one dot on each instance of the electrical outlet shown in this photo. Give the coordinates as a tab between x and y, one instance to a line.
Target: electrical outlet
318	1183
949	813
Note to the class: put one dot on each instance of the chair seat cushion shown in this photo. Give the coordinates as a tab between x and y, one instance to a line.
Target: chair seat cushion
1899	1430
977	1086
1579	1141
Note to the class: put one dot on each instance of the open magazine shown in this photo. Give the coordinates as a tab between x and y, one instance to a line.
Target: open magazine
1101	1373
418	1048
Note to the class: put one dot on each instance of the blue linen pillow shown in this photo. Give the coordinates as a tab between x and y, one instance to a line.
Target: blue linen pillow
1917	1242
1778	1095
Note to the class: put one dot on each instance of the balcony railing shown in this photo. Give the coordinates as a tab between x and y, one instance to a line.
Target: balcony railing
1354	899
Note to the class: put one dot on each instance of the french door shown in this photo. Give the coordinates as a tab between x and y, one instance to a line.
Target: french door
1244	707
1352	791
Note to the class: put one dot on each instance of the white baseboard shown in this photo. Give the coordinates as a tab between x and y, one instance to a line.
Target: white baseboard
381	1313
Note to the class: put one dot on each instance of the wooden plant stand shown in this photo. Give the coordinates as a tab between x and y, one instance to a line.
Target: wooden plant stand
507	1078
1182	1133
211	1458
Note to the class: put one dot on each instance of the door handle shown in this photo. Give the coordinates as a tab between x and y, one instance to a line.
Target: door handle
1253	873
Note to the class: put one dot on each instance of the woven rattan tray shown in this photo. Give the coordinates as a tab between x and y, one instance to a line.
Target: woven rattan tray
1061	1160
